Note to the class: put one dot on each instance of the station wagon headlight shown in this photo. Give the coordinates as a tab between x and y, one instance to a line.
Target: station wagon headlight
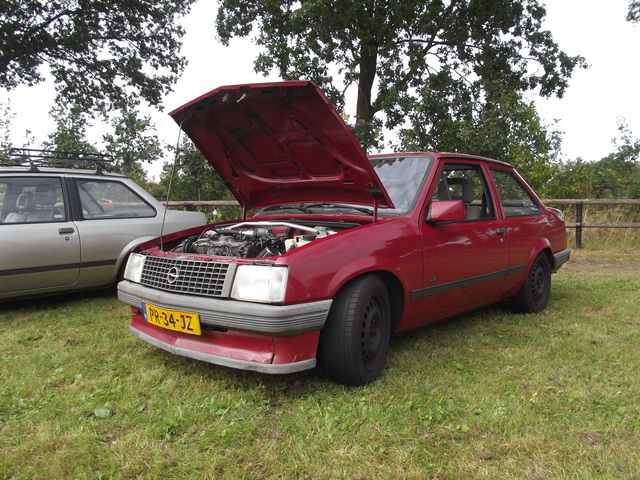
260	283
133	270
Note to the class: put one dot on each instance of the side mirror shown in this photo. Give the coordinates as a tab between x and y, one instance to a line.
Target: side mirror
446	211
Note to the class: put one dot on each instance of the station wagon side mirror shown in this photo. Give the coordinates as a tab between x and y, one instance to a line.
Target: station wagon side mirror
446	211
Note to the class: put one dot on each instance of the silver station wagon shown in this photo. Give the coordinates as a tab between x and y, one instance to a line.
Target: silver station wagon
64	229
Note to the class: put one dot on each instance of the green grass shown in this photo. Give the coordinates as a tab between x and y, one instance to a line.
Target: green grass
486	395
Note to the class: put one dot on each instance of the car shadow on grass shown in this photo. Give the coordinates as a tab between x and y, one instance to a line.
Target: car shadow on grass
460	330
54	301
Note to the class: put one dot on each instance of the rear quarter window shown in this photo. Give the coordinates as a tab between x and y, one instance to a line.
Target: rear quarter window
515	198
103	199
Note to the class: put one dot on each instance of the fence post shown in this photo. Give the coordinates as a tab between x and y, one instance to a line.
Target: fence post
579	225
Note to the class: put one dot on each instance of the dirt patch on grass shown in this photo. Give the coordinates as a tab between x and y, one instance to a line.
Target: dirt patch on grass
613	260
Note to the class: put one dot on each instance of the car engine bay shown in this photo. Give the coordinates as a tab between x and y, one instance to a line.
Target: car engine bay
252	239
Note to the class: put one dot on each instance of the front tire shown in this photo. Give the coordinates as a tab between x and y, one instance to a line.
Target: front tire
534	294
355	340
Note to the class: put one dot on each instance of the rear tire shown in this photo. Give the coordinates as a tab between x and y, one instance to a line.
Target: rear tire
355	340
534	294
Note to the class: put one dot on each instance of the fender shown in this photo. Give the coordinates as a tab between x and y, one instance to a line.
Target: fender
319	280
541	244
122	257
361	266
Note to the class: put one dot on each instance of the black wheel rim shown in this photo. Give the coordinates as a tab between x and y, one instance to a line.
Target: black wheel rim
538	282
371	331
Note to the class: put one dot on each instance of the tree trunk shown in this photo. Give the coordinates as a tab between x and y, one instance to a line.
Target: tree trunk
368	61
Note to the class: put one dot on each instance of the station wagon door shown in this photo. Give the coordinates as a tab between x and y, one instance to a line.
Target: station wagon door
39	247
112	219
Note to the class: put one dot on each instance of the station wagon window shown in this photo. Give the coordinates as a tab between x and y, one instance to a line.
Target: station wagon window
467	183
3	196
32	200
515	198
111	199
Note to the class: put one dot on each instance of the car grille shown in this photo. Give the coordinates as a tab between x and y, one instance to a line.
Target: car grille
211	279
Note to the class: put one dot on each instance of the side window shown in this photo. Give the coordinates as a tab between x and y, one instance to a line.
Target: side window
515	198
111	199
4	188
32	200
466	183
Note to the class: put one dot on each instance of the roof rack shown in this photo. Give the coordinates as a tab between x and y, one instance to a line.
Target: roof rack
56	158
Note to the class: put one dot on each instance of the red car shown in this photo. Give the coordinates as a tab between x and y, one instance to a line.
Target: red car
344	250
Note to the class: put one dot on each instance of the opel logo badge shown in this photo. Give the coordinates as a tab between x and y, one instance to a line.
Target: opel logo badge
173	275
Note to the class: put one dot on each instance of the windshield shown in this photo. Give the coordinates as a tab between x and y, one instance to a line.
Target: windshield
402	177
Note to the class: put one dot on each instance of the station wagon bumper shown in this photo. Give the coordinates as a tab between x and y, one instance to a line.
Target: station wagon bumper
258	337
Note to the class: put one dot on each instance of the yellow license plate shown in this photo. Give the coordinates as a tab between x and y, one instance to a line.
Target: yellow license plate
186	322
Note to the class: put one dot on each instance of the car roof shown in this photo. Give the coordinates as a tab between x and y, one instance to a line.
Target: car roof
59	162
58	171
447	156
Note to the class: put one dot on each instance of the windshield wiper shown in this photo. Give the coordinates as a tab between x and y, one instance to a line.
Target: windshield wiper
337	206
286	207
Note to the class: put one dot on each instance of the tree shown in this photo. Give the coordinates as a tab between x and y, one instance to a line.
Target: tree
194	179
615	176
6	118
508	128
634	11
410	60
133	141
95	50
70	134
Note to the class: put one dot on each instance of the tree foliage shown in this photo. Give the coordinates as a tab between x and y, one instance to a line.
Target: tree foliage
7	116
192	178
95	50
70	134
615	176
416	65
133	141
634	11
508	129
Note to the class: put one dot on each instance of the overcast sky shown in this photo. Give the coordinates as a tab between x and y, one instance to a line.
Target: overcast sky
587	115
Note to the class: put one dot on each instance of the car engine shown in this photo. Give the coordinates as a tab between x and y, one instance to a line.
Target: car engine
252	239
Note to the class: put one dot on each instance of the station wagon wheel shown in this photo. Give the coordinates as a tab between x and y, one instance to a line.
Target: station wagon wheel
355	340
534	294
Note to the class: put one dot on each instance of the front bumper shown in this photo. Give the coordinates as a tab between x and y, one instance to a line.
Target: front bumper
232	314
263	338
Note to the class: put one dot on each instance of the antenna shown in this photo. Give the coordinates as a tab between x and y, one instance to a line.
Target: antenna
173	172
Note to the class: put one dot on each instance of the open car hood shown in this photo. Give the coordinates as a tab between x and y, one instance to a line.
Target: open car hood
277	143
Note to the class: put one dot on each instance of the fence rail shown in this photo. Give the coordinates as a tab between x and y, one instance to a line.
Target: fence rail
579	223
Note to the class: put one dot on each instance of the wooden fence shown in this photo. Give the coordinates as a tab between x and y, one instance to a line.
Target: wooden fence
579	223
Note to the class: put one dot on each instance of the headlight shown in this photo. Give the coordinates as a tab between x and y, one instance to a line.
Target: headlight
260	283
133	270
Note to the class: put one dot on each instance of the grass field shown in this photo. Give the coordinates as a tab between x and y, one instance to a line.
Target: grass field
488	395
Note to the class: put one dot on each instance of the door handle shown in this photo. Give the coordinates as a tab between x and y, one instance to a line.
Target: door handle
501	231
64	231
